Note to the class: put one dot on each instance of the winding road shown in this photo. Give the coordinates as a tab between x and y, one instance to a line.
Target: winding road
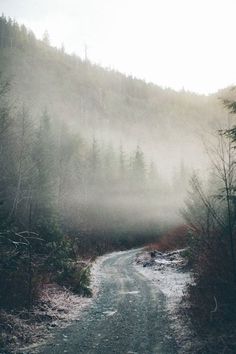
128	316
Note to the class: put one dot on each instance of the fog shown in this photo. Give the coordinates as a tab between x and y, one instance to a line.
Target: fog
110	154
117	133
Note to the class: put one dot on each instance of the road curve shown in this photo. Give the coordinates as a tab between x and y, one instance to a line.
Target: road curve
128	316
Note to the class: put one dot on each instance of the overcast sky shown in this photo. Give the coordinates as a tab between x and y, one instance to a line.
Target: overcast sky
186	44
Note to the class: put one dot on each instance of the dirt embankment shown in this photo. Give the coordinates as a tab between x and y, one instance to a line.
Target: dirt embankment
23	331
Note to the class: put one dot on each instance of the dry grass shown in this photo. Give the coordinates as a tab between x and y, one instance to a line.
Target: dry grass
175	239
57	307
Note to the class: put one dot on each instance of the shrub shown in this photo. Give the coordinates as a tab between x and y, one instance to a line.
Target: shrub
20	282
76	276
174	239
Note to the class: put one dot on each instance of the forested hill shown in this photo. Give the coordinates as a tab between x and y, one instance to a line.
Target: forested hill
101	102
93	161
84	154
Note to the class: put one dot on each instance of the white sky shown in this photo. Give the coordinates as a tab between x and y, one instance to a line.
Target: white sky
174	43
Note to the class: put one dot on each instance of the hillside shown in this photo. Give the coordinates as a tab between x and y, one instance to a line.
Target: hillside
115	188
106	104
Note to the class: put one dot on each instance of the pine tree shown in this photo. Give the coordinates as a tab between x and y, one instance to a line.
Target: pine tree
44	190
122	164
46	39
94	163
139	167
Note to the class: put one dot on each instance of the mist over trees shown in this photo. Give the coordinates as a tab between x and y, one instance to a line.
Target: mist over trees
104	103
94	161
91	161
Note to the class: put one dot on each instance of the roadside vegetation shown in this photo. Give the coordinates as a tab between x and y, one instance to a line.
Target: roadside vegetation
174	239
211	216
208	238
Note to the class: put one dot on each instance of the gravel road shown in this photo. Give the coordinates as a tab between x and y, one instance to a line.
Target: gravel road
128	316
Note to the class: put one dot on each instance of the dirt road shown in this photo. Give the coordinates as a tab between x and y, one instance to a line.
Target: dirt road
128	316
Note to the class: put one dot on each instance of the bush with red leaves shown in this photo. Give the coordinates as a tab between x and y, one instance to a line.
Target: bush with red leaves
176	238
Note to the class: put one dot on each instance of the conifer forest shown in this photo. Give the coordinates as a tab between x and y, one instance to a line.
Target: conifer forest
117	194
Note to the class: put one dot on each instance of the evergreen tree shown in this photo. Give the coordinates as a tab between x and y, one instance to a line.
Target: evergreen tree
94	163
138	167
109	165
46	39
122	163
44	188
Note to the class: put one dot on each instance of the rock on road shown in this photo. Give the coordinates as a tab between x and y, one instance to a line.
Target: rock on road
127	316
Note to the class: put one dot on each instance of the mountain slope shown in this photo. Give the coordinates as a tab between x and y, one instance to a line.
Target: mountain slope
104	103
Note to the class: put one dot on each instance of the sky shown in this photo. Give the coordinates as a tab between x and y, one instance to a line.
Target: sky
182	44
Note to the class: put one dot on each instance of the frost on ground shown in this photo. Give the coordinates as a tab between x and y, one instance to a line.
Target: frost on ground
169	274
57	307
24	332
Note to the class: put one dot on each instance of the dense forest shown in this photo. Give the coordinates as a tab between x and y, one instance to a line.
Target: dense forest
66	190
80	147
94	161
